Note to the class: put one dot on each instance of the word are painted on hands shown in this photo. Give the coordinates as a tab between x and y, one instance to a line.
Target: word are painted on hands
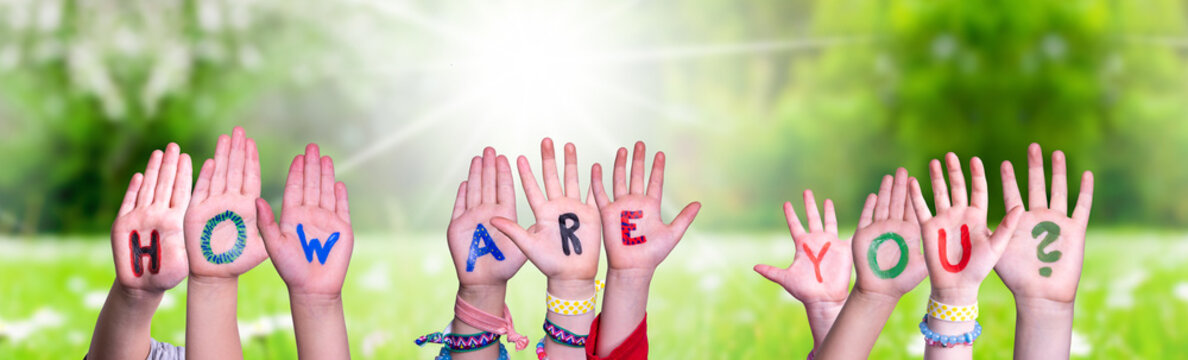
872	256
625	222
240	238
817	258
966	249
153	251
313	246
1053	233
568	233
480	233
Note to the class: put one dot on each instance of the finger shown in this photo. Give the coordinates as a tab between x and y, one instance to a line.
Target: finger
619	174
1059	183
793	220
129	202
474	183
202	185
266	222
596	186
489	181
182	182
531	189
812	215
505	187
165	177
1084	200
238	158
1010	186
830	218
218	180
251	170
548	165
956	180
910	213
919	206
883	204
940	192
572	189
517	234
656	179
682	221
313	175
899	194
1037	199
772	273
981	193
459	202
1002	234
149	185
295	183
327	184
867	216
342	205
637	168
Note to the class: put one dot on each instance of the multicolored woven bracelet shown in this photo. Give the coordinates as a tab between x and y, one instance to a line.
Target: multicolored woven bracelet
564	337
937	340
459	342
445	354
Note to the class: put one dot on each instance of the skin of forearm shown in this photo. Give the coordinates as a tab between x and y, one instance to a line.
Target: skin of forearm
577	324
320	326
624	307
821	316
1043	329
858	325
123	328
489	299
212	331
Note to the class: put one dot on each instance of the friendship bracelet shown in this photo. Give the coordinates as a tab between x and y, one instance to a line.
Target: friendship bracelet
562	336
445	354
573	307
540	351
459	342
945	341
490	323
952	313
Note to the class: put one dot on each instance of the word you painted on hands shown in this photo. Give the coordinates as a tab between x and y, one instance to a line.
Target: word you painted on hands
627	226
240	239
477	251
313	246
568	222
152	251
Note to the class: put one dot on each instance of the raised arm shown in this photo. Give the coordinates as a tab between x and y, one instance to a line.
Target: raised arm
1042	263
149	252
311	249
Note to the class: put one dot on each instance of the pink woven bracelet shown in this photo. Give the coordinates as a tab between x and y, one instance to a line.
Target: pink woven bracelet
490	323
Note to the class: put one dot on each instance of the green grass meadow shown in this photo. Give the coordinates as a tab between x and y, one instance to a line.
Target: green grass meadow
706	302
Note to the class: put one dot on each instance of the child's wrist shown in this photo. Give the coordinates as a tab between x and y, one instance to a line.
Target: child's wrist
631	274
1039	307
571	288
137	297
955	296
488	298
315	300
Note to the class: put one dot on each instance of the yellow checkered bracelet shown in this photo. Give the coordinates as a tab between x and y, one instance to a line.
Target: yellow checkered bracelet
573	307
952	313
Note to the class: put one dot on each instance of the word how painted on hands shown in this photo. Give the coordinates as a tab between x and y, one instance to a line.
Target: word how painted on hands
627	226
153	251
313	246
1053	233
488	247
872	256
966	247
568	233
240	238
816	259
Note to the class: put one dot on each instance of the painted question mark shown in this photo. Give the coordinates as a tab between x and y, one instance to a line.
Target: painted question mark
1053	232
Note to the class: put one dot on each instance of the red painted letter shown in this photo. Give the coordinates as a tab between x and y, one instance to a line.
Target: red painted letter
627	226
966	249
816	259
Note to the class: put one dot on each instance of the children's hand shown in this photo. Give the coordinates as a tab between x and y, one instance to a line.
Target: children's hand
482	254
893	266
220	227
312	245
1044	257
634	236
146	238
959	249
820	270
564	243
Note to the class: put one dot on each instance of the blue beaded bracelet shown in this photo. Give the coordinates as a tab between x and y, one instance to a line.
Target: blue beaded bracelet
933	339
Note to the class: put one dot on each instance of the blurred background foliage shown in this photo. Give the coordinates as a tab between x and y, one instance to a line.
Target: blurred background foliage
753	101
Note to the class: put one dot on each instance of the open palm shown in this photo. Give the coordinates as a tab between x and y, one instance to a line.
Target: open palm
487	193
152	211
1044	257
895	265
573	256
311	247
220	227
633	233
820	270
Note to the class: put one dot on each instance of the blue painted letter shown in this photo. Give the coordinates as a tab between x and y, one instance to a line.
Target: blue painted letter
314	246
480	233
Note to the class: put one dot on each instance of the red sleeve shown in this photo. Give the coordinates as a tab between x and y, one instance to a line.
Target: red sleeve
635	347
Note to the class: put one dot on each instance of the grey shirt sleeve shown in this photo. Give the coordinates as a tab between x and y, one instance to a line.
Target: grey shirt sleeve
166	351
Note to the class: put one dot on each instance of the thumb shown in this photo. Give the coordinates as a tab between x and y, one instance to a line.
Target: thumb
266	221
772	273
684	219
518	235
1005	230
